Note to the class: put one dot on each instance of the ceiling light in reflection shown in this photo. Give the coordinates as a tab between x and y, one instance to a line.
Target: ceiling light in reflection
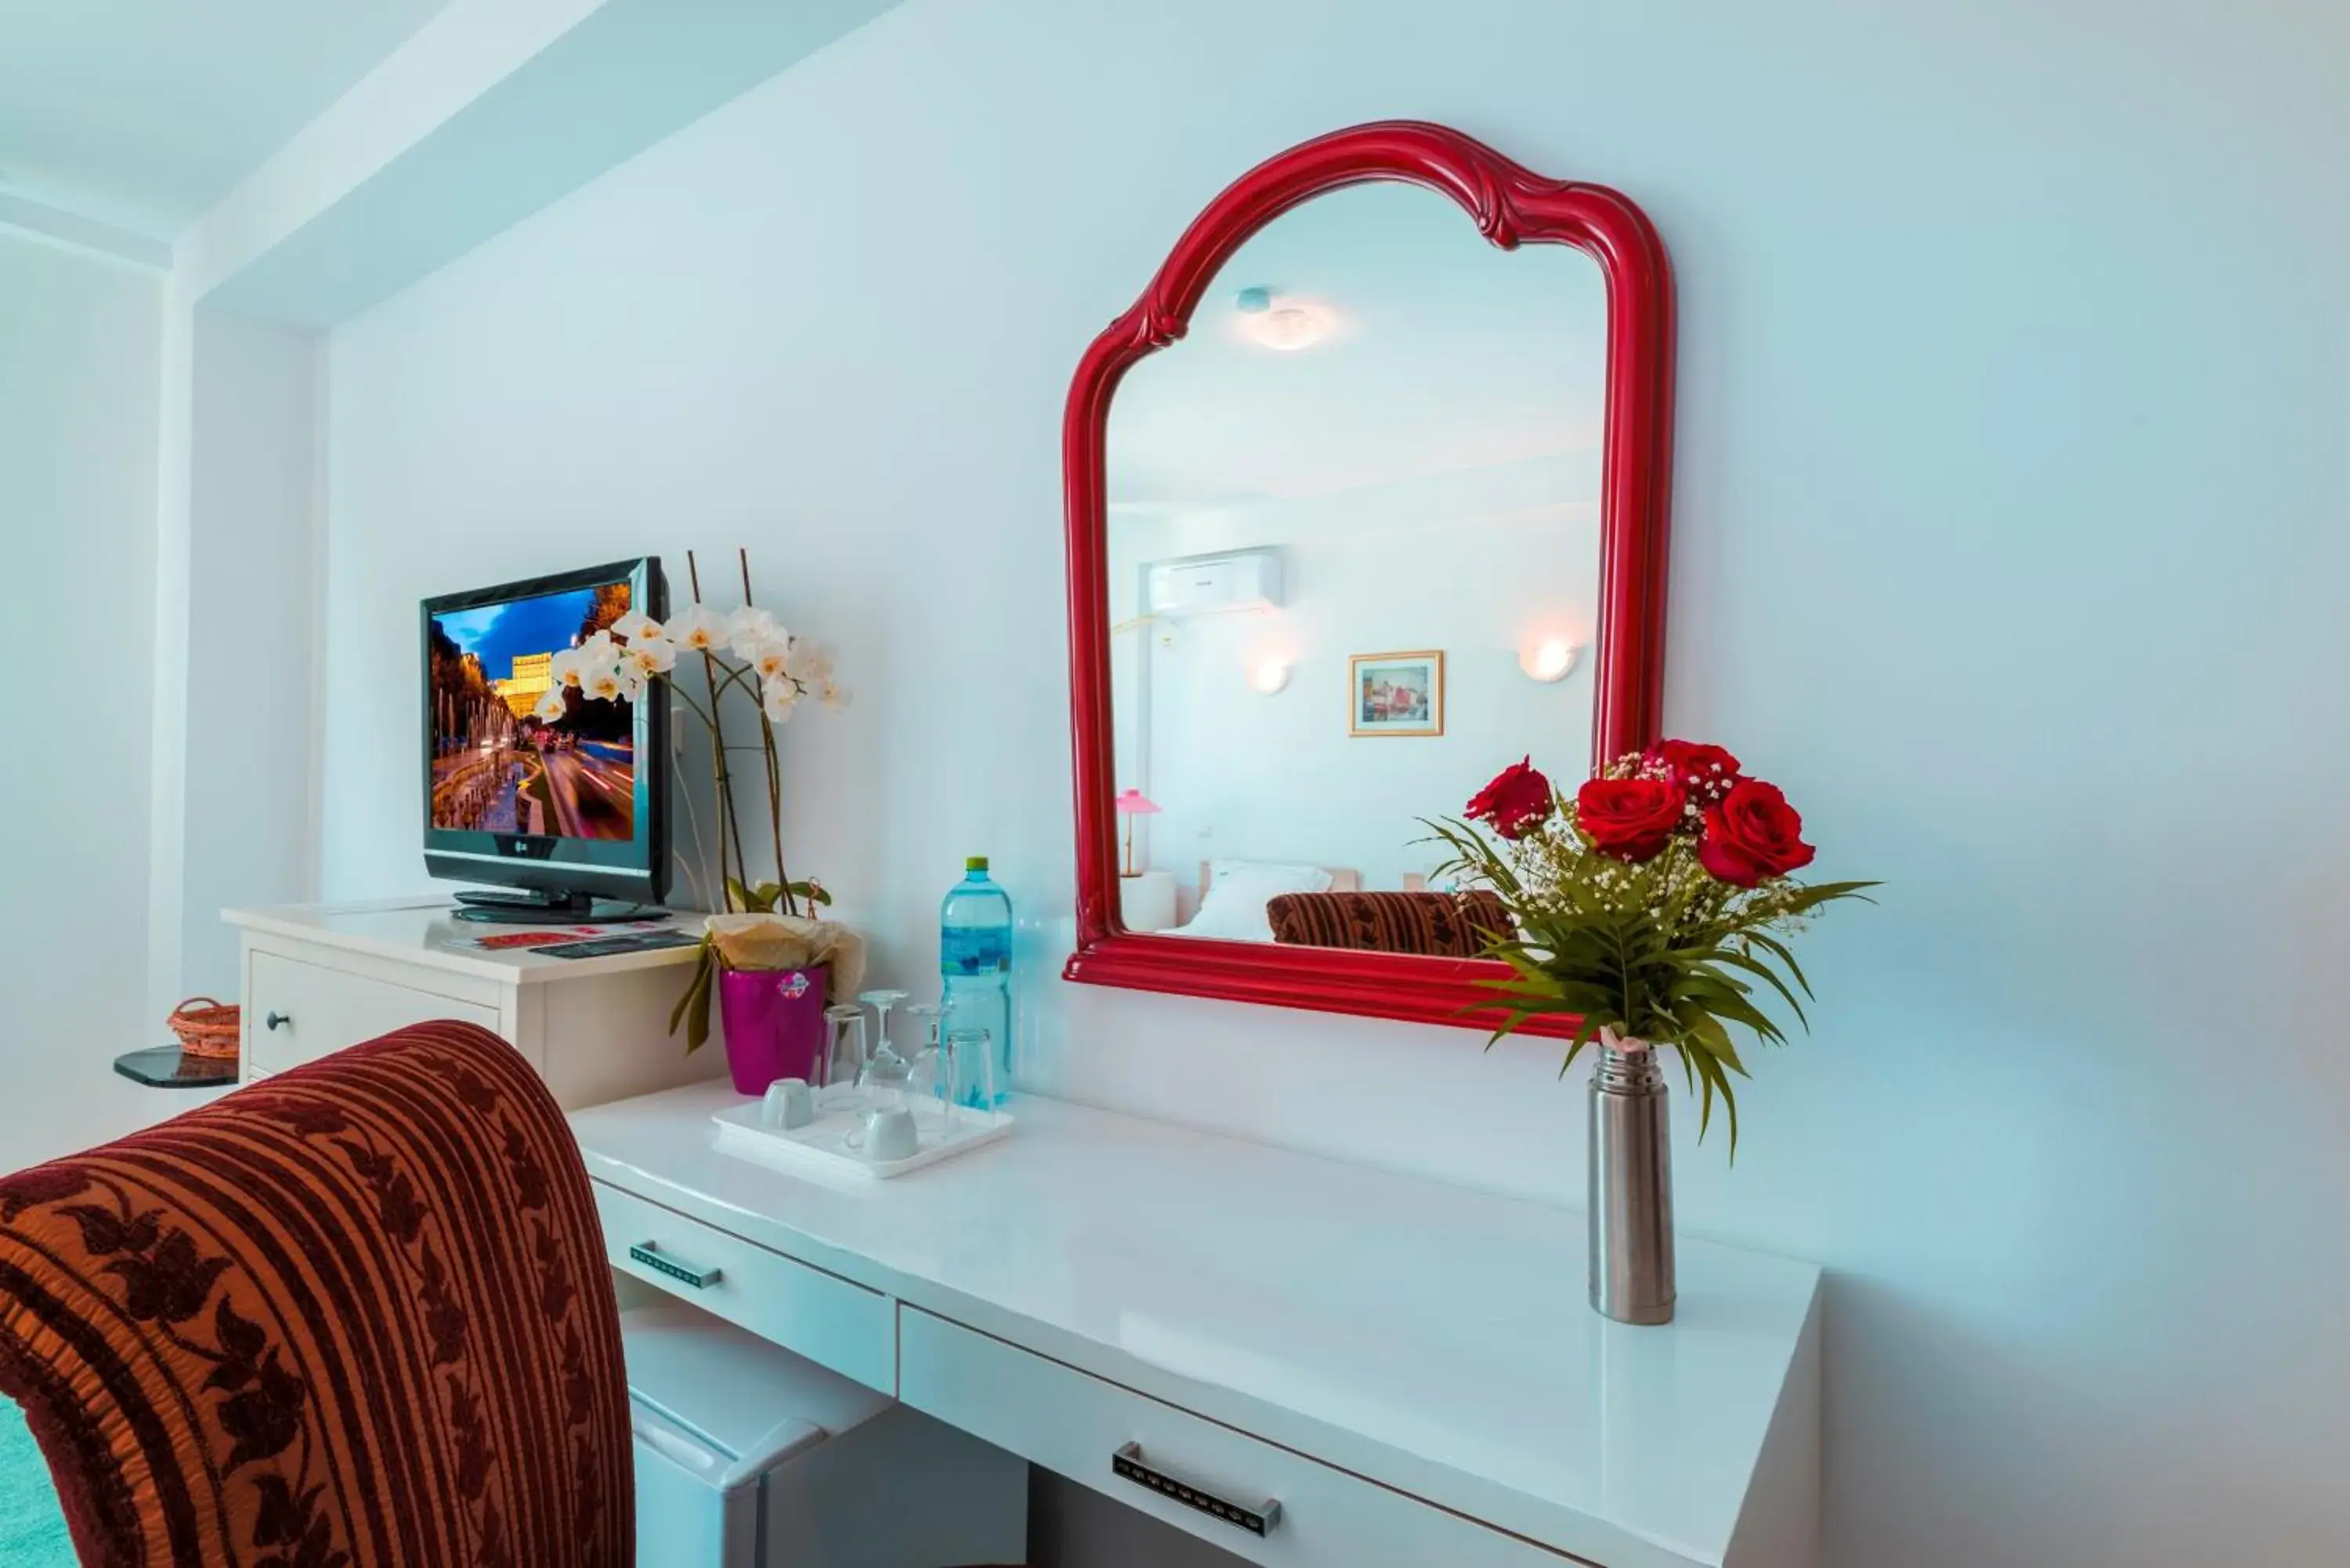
1283	322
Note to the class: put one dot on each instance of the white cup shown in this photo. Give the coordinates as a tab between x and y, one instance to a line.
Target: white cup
888	1135
787	1103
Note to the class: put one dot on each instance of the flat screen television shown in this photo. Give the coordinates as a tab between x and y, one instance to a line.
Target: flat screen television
531	785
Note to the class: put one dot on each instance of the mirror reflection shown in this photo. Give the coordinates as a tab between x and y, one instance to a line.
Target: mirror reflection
1354	557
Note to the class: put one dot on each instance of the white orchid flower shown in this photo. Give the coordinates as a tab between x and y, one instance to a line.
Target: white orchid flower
748	630
696	628
834	695
604	684
598	649
772	660
631	683
593	671
811	664
551	706
649	657
636	626
776	701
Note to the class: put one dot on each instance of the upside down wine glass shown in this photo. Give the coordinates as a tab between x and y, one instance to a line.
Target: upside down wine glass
843	1057
927	1079
887	1076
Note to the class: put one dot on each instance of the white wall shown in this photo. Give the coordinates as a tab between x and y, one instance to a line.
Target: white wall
80	376
251	662
1475	565
2008	535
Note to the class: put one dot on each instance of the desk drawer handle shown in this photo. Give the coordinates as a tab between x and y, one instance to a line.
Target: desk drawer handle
277	1020
1255	1518
650	1255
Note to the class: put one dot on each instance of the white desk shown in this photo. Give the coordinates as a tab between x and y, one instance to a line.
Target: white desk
1410	1368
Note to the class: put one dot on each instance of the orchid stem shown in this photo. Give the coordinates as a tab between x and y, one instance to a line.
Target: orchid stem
727	825
775	766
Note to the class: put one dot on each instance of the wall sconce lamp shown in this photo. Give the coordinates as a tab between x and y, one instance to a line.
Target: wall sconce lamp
1267	676
1549	659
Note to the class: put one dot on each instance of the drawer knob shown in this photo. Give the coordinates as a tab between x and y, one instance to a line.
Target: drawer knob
278	1021
1256	1518
649	1255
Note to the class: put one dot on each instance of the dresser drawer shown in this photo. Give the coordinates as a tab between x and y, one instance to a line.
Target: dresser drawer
1077	1424
320	1011
828	1319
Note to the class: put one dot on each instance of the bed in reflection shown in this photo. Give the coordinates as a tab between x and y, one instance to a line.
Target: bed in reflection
1324	907
1436	925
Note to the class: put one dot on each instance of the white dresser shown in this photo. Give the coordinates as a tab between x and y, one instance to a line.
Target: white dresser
1374	1370
318	977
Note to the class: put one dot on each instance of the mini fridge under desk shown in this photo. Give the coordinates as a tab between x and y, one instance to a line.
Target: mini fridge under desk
748	1456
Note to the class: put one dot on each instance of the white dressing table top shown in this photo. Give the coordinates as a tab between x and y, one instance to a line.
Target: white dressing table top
425	930
1430	1337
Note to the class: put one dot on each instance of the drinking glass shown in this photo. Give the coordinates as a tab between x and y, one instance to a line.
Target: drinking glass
971	1068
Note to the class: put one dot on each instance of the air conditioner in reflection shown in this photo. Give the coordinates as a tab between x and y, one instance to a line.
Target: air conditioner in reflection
1216	585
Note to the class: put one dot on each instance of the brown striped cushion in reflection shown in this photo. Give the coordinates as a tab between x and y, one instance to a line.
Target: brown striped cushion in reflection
1439	925
354	1317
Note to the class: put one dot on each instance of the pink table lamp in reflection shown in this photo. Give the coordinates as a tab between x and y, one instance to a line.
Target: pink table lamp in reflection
1130	804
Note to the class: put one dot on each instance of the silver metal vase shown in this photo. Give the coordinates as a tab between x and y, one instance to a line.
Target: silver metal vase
1631	1200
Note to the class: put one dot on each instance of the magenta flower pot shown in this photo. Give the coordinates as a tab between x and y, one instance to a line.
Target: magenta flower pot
773	1022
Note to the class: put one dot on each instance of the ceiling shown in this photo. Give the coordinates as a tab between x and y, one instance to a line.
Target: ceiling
1449	355
142	113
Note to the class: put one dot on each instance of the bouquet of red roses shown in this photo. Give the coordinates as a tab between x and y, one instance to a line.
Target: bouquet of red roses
1650	905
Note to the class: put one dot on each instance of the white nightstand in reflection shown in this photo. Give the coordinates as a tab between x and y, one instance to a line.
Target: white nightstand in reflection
1146	901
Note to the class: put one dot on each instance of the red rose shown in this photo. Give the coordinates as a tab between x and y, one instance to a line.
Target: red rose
1632	819
1751	834
1517	802
1706	772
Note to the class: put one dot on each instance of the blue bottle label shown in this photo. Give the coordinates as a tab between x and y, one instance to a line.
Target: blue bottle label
976	949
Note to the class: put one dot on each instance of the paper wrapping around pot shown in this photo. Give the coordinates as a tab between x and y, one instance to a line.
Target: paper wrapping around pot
790	941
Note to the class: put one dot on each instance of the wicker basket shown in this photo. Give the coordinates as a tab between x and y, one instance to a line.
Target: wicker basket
207	1028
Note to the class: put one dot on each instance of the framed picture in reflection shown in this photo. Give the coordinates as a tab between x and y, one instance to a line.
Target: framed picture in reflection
1396	694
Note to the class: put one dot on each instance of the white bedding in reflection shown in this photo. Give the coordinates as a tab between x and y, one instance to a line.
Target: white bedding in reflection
1238	892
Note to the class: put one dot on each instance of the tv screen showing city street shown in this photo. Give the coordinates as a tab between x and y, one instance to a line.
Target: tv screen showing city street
514	751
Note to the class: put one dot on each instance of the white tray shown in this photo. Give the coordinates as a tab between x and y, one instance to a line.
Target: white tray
821	1148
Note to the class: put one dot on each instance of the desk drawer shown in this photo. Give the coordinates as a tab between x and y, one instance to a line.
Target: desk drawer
822	1316
320	1011
1074	1423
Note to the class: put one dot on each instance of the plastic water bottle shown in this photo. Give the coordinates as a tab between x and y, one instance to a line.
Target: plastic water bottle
975	965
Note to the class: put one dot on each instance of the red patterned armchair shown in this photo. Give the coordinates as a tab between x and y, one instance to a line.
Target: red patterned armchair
355	1316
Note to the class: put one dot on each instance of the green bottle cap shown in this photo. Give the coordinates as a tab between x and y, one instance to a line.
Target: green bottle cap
975	863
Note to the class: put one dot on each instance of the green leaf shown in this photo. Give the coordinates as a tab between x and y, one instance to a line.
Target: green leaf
1717	1043
1778	949
692	1009
1753	966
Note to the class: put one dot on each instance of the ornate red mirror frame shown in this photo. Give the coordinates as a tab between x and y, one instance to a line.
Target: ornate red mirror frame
1510	206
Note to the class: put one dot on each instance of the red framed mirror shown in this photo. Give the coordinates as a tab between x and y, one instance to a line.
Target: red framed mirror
1386	430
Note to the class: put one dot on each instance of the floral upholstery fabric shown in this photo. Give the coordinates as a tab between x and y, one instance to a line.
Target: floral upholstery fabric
355	1316
1441	925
